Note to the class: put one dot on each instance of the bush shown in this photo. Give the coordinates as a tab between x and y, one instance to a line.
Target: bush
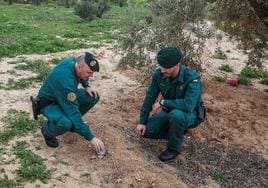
226	68
251	72
86	10
171	23
219	79
244	81
264	81
89	9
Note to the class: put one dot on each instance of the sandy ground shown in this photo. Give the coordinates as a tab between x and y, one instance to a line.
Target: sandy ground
236	126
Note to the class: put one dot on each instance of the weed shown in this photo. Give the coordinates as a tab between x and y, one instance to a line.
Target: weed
55	61
244	80
219	54
17	122
7	183
32	166
251	72
219	79
226	68
12	72
39	67
264	81
220	177
19	84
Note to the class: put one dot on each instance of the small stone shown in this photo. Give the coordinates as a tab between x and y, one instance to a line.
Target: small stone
119	180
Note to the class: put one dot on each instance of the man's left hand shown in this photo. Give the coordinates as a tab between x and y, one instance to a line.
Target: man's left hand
92	92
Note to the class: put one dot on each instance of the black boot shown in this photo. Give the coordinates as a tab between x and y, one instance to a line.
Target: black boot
50	141
168	154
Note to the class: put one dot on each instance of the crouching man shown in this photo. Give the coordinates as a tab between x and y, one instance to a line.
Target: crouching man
180	88
63	103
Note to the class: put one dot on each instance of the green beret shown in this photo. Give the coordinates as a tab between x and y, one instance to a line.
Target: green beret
92	62
169	57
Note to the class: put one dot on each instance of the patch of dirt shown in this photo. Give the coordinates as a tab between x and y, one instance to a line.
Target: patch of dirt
233	139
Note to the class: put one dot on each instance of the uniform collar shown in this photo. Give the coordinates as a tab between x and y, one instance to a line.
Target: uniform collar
73	68
180	77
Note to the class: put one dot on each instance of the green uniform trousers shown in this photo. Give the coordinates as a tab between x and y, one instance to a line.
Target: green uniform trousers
57	122
171	126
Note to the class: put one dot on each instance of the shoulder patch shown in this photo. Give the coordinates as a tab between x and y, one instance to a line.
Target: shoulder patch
71	96
195	81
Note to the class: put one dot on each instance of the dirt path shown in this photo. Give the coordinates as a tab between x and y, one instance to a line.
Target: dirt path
236	126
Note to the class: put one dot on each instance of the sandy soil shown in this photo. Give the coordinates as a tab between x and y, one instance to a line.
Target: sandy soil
234	136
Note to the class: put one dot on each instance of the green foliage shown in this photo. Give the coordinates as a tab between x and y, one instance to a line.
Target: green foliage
38	29
251	72
164	26
39	67
21	83
246	21
55	61
226	68
17	123
264	81
90	9
32	166
244	81
7	183
87	10
219	54
220	177
219	79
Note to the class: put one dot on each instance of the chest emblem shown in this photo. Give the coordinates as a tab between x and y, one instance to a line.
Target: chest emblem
71	96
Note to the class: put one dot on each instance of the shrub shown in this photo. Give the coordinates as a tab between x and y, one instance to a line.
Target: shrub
226	68
244	81
264	81
171	23
89	9
251	72
86	10
219	79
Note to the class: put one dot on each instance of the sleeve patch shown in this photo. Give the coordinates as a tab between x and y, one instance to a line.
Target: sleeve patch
71	96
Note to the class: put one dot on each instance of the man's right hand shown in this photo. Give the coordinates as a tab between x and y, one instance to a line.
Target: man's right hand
98	144
140	129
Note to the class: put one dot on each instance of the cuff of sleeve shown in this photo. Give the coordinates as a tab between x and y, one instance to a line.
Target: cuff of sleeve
89	137
166	103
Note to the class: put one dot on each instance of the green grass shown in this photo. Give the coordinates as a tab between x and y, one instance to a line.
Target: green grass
264	81
39	67
220	176
244	81
226	68
251	72
27	29
219	79
55	61
32	166
7	183
17	123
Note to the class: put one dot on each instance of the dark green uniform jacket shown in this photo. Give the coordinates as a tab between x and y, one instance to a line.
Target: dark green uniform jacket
61	86
182	92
